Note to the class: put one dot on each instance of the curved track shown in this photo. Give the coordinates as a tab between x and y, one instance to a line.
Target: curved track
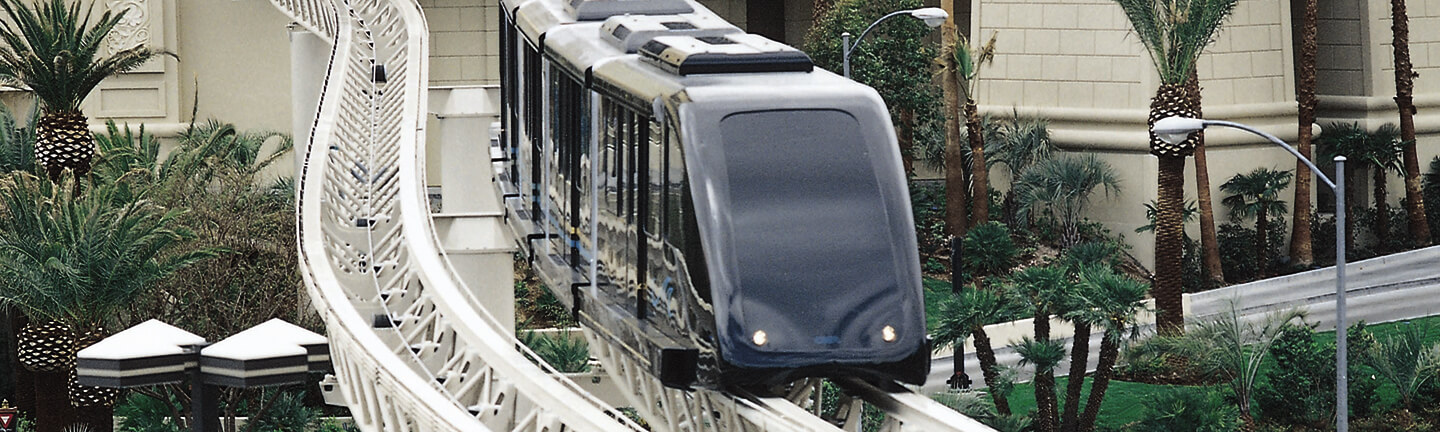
413	349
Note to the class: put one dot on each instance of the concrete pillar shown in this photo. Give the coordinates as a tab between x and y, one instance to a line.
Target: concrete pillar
309	59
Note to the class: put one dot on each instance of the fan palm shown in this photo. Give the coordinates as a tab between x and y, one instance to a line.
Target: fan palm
1174	33
1024	142
54	50
1257	194
1064	185
1381	153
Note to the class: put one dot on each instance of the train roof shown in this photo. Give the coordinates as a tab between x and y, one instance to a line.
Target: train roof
694	56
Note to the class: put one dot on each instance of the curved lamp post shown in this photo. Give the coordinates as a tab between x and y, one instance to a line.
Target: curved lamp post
932	16
1175	129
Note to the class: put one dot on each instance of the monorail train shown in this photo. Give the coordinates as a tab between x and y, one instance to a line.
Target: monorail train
734	215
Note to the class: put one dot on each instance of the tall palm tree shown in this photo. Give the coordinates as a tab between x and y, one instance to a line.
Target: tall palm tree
1404	98
993	254
1257	194
1116	299
54	50
966	315
1301	253
1209	241
75	265
960	68
1174	34
1064	185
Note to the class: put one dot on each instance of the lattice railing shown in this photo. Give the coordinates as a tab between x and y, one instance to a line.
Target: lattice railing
411	350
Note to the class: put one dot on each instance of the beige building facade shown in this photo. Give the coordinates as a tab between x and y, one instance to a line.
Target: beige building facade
1073	62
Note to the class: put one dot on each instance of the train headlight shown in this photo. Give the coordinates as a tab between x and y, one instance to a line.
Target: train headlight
888	333
760	338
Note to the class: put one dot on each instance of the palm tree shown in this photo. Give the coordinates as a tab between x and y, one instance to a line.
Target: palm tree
1209	242
1074	305
1063	185
1023	143
1404	99
1040	290
54	50
1044	354
993	254
1257	194
967	63
1407	361
1301	253
966	315
75	265
1115	300
1174	34
1380	152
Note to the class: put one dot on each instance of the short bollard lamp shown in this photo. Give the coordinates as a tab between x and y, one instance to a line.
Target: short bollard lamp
154	352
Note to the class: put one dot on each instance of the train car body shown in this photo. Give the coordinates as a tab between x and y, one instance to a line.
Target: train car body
706	196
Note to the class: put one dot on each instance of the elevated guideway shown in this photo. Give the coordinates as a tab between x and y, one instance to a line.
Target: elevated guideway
417	349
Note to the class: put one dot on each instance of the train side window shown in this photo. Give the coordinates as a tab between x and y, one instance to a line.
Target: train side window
675	185
655	145
632	164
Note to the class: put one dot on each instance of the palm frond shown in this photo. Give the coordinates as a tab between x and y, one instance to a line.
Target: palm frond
1175	32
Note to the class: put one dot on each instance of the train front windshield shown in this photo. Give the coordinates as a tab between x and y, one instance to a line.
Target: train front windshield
818	270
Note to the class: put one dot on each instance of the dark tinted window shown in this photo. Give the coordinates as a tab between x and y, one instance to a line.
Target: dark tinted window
810	232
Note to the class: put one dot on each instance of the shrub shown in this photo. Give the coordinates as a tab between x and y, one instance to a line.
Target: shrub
1300	387
1237	249
1188	409
988	250
286	412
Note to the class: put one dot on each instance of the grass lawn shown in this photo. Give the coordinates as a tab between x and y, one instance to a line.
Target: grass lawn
936	291
1122	404
1124	400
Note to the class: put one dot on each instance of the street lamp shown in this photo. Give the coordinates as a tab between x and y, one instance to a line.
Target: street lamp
1173	130
932	16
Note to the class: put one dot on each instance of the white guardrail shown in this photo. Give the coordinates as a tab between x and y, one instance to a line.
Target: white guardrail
412	349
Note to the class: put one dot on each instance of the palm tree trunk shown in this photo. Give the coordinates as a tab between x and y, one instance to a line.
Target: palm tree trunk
1169	235
957	217
1079	355
979	171
1044	378
986	355
52	401
907	140
1382	210
24	382
1262	250
1044	400
1404	89
1301	253
1208	241
1104	370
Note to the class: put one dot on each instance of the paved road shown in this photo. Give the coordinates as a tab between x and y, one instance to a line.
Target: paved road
1385	289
